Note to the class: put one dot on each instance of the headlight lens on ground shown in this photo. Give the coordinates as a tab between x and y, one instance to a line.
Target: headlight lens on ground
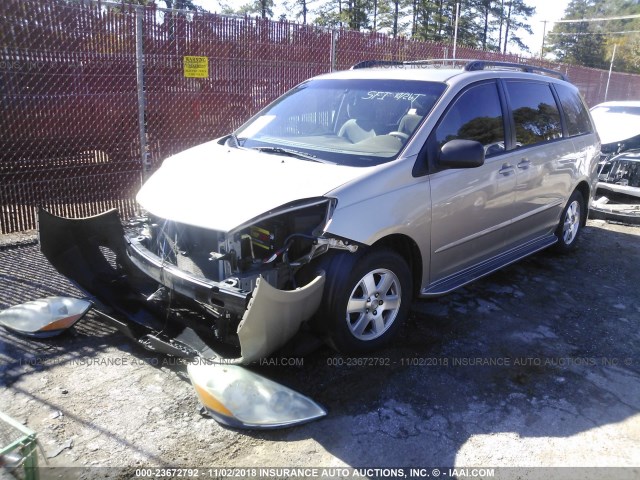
45	317
240	398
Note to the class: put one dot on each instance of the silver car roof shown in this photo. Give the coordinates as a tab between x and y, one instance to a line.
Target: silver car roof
432	74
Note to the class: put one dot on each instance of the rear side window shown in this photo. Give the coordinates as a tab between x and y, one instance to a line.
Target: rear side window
475	115
575	113
535	112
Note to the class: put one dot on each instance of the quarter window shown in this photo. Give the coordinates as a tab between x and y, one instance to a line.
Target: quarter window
475	115
575	113
535	112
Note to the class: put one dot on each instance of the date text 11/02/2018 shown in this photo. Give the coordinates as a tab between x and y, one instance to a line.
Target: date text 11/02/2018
311	472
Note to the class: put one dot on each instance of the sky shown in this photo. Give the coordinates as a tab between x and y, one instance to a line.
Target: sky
545	10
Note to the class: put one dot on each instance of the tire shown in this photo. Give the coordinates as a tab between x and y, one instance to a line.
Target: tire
367	299
571	222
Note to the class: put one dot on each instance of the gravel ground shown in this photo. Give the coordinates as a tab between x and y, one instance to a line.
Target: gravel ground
537	365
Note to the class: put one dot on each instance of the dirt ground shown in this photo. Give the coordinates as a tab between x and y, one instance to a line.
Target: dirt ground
537	365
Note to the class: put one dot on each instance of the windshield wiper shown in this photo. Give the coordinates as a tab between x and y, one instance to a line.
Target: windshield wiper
289	152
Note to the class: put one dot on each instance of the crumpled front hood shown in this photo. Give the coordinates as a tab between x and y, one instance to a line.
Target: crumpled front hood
219	188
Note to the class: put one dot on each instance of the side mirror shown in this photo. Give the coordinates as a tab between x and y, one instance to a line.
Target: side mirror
461	154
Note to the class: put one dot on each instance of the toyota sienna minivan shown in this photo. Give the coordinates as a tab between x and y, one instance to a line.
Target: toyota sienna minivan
336	205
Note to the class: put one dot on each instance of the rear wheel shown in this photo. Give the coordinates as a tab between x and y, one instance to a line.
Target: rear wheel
367	299
571	222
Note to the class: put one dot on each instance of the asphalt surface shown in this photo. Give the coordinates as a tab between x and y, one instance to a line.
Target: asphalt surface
535	366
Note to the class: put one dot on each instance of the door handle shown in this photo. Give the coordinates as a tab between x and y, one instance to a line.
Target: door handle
506	170
524	164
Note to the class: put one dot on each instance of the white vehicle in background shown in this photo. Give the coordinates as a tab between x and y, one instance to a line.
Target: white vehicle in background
618	191
618	124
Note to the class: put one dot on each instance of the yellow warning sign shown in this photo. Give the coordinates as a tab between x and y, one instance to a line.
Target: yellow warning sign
196	67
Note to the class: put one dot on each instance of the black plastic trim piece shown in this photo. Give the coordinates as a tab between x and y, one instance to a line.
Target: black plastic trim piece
483	64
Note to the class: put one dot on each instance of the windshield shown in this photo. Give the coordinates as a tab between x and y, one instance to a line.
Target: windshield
347	122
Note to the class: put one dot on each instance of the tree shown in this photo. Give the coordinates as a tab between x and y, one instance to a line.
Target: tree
183	5
391	17
491	25
357	14
264	8
513	16
623	34
471	25
580	42
434	19
305	10
329	14
488	15
423	25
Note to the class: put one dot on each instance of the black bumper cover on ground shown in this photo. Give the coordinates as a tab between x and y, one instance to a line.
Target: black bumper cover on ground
119	274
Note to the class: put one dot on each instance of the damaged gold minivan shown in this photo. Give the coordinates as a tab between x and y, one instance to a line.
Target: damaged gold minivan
336	205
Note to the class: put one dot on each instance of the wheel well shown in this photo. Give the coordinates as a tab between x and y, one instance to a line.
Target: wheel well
583	188
407	249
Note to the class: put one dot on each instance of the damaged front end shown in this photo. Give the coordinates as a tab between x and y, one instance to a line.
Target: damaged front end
189	291
618	191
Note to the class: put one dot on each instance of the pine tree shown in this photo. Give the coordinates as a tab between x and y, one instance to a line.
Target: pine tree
580	42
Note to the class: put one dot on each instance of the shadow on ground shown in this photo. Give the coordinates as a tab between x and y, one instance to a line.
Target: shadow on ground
535	365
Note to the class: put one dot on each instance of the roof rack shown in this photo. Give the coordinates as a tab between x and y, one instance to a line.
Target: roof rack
475	65
470	65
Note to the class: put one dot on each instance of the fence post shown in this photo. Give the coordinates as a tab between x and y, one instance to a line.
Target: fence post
144	150
332	54
613	57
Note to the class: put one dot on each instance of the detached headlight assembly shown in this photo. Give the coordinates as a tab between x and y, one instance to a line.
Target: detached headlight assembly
239	398
45	317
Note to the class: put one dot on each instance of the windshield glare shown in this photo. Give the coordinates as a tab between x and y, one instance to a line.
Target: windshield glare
348	122
603	116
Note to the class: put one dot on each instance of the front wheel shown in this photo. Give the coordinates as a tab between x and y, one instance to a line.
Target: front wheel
367	299
571	222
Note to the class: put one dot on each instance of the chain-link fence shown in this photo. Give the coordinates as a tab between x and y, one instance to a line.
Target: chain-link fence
95	94
69	110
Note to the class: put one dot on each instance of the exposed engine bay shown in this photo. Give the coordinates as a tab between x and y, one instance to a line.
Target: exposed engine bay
273	247
618	191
